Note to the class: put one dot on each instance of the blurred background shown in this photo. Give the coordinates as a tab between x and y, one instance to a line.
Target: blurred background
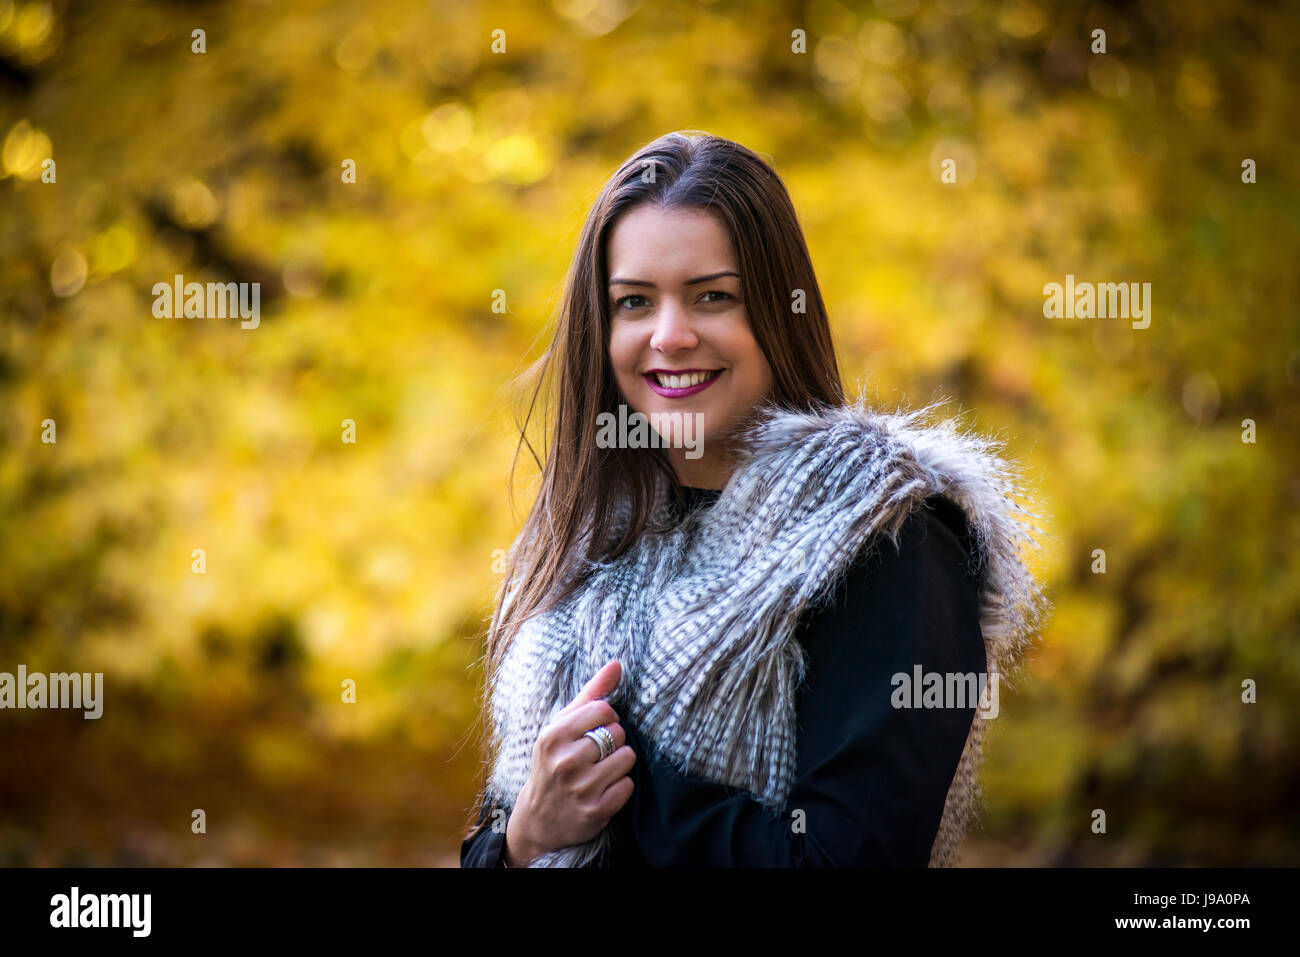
376	561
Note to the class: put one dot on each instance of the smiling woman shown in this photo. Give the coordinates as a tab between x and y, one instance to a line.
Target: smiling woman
684	343
693	657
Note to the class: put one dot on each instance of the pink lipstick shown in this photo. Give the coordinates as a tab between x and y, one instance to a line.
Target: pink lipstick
681	391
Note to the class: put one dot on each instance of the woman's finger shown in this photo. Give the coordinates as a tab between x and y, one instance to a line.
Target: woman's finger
585	750
591	715
602	684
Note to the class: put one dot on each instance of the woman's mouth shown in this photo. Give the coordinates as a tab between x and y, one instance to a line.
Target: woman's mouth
684	382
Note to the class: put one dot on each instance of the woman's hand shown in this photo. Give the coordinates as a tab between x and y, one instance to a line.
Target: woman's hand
569	796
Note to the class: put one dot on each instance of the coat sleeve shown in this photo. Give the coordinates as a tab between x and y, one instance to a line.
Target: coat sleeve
871	779
485	847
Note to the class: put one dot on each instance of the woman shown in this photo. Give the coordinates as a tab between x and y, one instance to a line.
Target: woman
711	651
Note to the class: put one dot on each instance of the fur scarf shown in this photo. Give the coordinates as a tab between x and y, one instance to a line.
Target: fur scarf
703	615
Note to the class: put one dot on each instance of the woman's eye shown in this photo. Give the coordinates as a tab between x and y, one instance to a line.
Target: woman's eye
618	303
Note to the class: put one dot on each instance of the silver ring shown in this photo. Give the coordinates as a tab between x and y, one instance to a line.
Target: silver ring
604	740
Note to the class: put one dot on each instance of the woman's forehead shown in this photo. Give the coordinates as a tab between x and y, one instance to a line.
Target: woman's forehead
675	245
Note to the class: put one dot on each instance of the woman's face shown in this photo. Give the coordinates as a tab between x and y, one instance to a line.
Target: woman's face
680	340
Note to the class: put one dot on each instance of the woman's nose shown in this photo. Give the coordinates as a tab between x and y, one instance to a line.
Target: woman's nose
672	331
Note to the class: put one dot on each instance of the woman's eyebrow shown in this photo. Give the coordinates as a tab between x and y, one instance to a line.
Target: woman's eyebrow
689	282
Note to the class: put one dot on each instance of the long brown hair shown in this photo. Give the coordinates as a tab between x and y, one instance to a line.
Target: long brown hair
583	484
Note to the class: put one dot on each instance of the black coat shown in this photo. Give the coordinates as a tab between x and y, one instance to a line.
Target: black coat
871	779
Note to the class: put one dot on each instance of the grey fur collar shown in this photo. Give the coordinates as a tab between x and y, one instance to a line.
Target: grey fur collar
702	616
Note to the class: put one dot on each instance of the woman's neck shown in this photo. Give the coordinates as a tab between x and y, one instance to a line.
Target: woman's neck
707	471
